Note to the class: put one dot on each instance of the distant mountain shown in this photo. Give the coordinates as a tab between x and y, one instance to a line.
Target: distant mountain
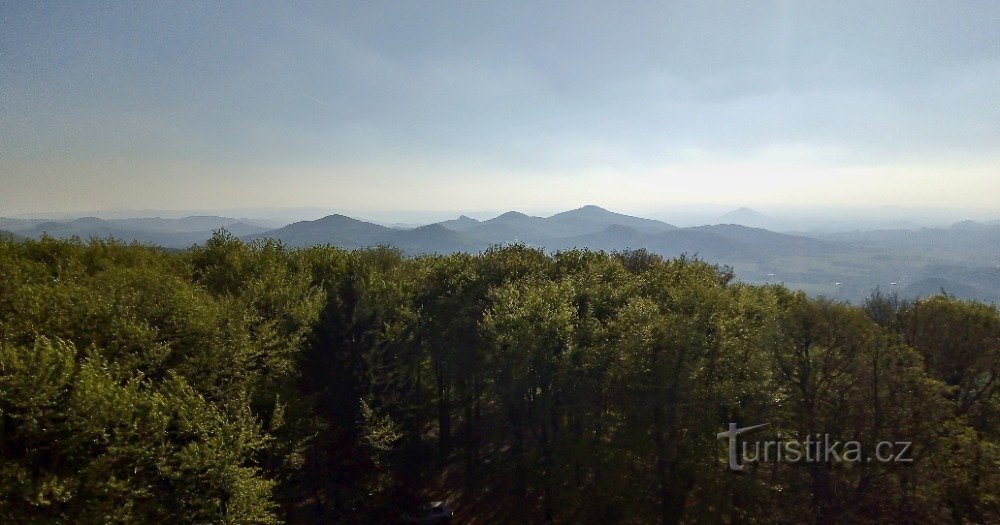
510	227
240	229
398	225
747	217
969	246
433	238
982	283
346	232
935	285
672	243
768	241
516	226
590	218
84	227
170	233
197	223
588	227
975	226
461	224
339	230
10	235
981	276
728	243
16	225
614	237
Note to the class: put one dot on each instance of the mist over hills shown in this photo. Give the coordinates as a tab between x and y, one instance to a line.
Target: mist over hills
169	233
747	217
963	258
9	235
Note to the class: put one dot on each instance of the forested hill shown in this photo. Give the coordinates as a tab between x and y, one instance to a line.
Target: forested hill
253	383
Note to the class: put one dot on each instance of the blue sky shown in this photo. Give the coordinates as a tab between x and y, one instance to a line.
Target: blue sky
375	106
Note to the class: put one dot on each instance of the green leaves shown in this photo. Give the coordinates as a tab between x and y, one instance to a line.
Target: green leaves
84	445
34	379
250	383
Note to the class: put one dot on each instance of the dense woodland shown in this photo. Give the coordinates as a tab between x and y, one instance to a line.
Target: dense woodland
253	383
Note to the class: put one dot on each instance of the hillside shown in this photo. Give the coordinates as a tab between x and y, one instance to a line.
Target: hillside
337	230
169	233
461	224
747	217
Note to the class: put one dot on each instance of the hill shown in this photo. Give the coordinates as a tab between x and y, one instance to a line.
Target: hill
461	224
591	218
975	226
747	217
937	285
769	241
515	226
433	238
169	233
10	235
345	232
337	230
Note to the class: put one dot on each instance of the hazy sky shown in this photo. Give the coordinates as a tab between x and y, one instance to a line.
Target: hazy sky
433	105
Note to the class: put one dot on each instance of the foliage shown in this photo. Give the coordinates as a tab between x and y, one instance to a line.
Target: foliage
252	383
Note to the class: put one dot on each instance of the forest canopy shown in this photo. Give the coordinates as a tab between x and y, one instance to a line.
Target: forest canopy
238	382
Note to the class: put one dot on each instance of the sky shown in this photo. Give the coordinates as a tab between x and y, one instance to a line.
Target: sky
432	105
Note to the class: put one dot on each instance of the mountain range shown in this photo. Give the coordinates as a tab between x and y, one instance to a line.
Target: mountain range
963	259
169	233
587	227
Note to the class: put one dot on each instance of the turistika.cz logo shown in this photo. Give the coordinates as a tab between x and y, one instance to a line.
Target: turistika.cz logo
815	448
